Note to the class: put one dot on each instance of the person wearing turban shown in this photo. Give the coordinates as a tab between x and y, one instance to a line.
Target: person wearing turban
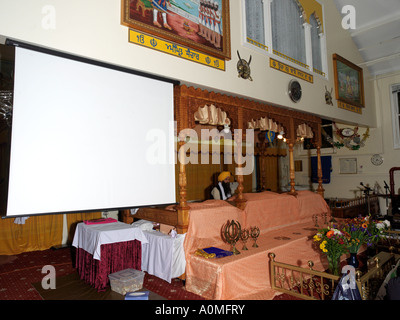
223	190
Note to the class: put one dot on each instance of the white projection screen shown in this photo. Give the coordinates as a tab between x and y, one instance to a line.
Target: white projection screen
88	136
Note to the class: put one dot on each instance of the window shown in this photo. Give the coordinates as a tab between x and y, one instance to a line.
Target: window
255	23
288	36
280	28
316	44
396	115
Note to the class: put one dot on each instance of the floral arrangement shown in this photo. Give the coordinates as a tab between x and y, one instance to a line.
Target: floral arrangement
333	243
361	231
349	237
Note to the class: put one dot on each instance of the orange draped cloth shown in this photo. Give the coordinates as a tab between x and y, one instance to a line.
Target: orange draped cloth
38	232
268	210
286	229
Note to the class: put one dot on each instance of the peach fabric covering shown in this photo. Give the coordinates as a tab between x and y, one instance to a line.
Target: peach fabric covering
286	228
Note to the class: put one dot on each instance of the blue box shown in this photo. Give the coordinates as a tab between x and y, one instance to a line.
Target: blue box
137	295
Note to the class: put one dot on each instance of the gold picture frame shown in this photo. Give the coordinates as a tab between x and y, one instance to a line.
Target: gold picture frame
178	21
349	82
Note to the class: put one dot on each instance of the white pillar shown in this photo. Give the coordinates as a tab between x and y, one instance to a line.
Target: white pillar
267	24
308	44
324	61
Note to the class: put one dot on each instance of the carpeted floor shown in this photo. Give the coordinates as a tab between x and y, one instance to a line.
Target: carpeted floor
20	274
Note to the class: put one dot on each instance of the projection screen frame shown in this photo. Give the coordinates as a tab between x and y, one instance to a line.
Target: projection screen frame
20	44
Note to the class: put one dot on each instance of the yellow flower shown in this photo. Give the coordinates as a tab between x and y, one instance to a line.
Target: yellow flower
317	237
322	246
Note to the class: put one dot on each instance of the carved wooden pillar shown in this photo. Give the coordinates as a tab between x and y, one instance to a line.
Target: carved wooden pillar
182	208
320	189
263	173
238	137
291	141
291	169
181	105
261	139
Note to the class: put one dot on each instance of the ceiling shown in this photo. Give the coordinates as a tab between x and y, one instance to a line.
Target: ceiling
377	33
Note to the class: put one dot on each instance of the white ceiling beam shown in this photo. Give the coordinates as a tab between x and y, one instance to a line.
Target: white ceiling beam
380	43
383	59
375	24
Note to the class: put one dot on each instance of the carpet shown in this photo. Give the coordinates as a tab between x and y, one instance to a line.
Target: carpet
71	287
20	275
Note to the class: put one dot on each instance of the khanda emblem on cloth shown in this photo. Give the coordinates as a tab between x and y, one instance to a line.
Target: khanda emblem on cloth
230	233
243	68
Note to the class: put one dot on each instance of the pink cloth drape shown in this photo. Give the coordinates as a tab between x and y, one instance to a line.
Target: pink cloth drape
286	227
114	257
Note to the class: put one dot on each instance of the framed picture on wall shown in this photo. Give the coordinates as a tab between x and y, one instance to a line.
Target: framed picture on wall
348	165
349	82
200	25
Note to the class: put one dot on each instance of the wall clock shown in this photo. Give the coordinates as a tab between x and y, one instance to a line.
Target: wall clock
377	159
294	90
348	132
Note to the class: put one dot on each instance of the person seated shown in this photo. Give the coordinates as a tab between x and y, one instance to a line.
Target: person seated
393	286
224	188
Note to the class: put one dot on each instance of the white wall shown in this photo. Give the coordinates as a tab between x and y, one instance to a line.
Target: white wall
92	29
380	141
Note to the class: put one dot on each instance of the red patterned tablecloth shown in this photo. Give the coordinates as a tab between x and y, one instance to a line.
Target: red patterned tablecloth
102	249
114	257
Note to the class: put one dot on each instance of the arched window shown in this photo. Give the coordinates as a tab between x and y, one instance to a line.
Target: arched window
284	28
287	29
396	115
316	44
255	23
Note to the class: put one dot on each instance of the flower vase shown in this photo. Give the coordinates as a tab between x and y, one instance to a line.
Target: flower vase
353	260
333	265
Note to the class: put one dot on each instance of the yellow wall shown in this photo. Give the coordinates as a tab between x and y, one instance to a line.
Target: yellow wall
312	6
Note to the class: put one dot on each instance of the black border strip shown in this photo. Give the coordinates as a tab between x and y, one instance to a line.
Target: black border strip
87	60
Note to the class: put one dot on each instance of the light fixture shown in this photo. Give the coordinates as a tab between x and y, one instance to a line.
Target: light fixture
280	135
227	129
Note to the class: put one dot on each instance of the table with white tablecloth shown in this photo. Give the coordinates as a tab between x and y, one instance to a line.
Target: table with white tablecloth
103	249
163	255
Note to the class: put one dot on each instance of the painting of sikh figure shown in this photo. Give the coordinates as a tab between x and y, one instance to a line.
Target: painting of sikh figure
198	24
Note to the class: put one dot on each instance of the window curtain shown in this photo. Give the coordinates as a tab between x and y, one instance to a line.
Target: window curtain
37	233
287	29
316	43
326	166
255	20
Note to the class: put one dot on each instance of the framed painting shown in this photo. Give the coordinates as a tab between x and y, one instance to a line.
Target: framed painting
196	24
349	82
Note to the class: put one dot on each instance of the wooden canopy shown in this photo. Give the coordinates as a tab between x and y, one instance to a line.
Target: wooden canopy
242	113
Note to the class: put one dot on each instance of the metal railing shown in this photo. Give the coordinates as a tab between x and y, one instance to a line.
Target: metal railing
300	282
310	284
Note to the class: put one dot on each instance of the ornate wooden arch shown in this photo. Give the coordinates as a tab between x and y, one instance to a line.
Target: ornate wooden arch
240	111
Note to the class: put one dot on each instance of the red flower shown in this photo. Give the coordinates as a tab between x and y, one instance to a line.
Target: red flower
330	233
